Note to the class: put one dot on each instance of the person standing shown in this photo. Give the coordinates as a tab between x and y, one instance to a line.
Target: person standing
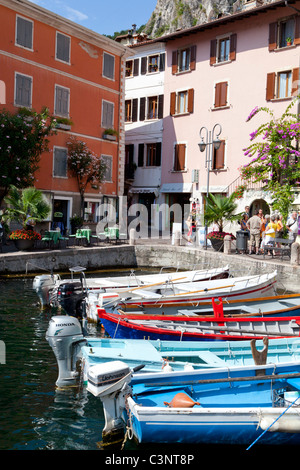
292	226
270	233
254	226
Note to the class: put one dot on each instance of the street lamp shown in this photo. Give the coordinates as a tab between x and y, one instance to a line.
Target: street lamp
211	142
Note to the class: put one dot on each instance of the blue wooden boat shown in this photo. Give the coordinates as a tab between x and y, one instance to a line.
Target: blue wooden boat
72	348
221	406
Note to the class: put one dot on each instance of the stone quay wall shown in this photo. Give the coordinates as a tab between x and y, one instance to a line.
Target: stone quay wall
146	257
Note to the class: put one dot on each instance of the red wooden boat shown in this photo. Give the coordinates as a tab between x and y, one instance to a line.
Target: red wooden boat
120	324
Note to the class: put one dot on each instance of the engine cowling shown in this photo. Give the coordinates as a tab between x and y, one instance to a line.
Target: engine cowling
64	335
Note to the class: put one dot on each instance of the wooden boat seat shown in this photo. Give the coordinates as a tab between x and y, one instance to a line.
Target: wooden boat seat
206	356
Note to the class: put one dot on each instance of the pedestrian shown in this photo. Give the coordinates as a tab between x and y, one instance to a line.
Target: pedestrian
279	230
191	223
270	233
254	226
244	227
292	226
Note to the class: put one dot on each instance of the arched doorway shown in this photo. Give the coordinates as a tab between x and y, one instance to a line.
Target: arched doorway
259	204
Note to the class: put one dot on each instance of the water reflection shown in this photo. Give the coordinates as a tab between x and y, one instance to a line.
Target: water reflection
34	415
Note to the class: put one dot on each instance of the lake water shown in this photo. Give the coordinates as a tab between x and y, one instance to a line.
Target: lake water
34	414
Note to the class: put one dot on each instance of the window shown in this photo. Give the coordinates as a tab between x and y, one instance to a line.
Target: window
107	114
23	90
131	110
141	155
152	106
129	68
179	157
155	107
223	49
153	63
129	163
283	84
182	102
108	66
283	29
60	162
24	32
221	95
218	160
128	110
63	44
62	101
107	160
132	68
153	157
184	60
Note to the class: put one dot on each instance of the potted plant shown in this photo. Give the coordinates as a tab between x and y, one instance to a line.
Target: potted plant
26	207
76	222
110	134
218	210
289	41
63	123
24	239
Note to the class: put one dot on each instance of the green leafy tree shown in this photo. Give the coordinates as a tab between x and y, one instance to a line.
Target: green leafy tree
23	138
275	158
26	205
219	209
85	166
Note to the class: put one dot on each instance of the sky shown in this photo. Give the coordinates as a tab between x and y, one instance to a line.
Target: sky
102	16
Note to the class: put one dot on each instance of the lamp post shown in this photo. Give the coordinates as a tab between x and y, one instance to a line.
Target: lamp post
211	142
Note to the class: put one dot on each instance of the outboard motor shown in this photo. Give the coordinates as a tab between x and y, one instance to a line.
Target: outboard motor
43	285
110	382
64	335
71	296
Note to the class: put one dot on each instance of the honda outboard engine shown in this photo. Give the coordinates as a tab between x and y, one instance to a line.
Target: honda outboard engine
64	335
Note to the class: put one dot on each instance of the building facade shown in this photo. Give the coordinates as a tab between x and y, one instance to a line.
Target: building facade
47	60
215	74
144	107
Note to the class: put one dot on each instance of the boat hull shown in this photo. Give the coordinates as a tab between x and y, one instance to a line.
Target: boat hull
212	426
197	329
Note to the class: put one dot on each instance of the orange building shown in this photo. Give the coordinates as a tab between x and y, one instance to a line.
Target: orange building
47	60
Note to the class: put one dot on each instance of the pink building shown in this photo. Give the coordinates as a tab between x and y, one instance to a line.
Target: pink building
217	73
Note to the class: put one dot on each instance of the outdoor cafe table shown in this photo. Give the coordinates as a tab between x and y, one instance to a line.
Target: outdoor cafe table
54	235
112	233
84	233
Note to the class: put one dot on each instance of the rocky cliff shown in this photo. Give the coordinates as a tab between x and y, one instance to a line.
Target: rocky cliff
171	15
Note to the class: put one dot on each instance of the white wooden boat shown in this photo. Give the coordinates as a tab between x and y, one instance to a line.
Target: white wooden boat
177	296
46	285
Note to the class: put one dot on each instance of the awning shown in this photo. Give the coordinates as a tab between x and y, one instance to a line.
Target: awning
177	188
140	189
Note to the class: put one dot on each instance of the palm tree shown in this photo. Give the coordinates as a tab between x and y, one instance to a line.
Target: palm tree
219	209
26	205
